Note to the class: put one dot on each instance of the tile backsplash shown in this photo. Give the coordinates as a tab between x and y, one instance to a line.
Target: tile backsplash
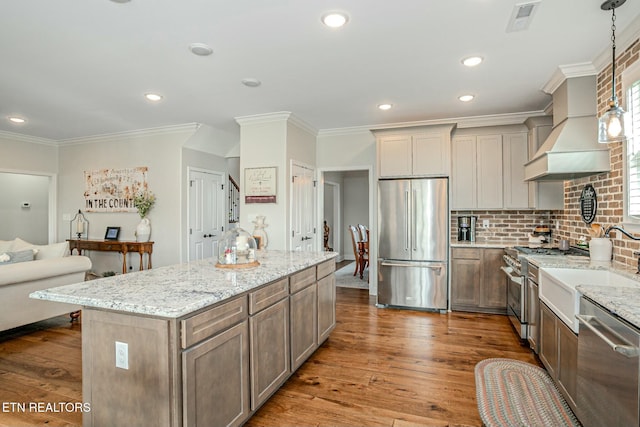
505	226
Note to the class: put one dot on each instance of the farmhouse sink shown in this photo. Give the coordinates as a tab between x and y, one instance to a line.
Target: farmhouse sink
557	289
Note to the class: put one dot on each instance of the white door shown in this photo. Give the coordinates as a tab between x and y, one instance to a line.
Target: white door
303	208
206	213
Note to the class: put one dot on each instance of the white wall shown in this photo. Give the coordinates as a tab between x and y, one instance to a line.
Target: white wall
30	224
27	154
161	152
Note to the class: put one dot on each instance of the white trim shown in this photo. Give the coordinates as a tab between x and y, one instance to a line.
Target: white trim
188	127
564	72
628	77
26	138
459	122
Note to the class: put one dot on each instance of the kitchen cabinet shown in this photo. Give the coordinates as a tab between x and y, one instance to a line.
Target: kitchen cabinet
326	301
476	176
215	365
542	195
559	353
415	152
477	283
514	156
304	316
269	335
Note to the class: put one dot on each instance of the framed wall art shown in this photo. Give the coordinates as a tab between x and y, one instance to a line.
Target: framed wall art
260	185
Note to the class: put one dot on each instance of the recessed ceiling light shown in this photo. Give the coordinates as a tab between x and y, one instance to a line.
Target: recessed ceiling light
335	19
472	61
385	107
200	49
466	98
250	82
17	120
121	1
153	97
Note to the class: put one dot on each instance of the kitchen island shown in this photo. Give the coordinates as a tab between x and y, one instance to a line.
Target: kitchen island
192	344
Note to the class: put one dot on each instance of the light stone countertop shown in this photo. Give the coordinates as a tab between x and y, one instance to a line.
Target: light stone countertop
623	301
178	290
487	244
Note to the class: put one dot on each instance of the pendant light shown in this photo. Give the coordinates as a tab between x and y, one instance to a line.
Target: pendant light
611	124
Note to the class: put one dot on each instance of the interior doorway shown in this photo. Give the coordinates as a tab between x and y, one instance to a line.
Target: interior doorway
28	206
206	213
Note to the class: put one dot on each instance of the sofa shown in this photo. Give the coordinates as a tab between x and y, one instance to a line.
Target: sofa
26	268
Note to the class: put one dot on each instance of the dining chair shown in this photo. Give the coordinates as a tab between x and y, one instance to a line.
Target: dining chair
355	241
364	240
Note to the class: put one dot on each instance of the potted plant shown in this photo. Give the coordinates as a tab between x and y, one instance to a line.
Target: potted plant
144	201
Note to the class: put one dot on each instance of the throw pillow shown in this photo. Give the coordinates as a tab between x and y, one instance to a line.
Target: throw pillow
54	250
15	257
5	246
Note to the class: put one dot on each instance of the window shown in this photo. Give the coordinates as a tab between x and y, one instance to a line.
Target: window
631	88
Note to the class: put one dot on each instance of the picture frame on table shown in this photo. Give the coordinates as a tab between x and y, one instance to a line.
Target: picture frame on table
112	233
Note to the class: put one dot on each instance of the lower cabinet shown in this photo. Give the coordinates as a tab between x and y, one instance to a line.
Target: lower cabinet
326	306
269	351
477	283
215	377
559	353
304	325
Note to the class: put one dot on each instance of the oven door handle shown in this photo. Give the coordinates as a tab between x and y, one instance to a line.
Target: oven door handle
625	350
508	271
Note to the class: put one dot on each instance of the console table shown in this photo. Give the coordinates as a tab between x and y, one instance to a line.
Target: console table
123	247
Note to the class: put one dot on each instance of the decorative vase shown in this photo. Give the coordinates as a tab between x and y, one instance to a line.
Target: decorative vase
600	249
259	232
143	230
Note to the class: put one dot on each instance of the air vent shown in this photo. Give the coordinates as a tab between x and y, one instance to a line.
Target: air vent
522	15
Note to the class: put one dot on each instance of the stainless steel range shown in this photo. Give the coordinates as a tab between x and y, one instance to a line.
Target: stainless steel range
515	268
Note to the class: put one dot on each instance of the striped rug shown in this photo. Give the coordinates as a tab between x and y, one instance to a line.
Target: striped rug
515	393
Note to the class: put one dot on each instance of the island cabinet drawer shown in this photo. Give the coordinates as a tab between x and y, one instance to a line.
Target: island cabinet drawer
302	279
269	295
326	268
465	253
208	323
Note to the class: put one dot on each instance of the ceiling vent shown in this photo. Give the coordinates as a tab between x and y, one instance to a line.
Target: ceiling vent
522	15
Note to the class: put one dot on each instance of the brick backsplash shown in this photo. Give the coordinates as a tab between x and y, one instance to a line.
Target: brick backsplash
609	186
505	226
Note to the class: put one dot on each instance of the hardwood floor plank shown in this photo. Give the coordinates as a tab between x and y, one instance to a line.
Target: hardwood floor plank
379	367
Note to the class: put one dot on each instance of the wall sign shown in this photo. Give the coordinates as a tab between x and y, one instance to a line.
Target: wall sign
260	185
112	190
588	204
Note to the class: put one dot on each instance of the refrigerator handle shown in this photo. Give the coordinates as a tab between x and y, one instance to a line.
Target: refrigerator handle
437	267
413	222
406	220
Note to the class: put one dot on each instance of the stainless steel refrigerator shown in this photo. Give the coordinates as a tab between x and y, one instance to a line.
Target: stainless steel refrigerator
413	243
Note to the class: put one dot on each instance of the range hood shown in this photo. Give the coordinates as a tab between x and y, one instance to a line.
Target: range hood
572	149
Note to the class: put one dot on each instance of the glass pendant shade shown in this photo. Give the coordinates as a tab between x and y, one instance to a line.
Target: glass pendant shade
611	125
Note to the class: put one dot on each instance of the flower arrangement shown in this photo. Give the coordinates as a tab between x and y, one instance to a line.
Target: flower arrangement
144	202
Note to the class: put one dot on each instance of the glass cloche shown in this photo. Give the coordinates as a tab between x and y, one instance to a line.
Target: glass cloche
237	249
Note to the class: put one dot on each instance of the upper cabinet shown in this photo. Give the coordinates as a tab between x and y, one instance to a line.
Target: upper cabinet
476	178
514	156
423	151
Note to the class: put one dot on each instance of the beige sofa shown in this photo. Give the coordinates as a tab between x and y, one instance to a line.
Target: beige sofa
51	266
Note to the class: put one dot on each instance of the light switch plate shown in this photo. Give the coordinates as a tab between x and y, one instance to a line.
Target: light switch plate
485	223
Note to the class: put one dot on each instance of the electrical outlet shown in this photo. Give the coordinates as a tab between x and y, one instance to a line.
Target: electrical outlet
485	223
122	355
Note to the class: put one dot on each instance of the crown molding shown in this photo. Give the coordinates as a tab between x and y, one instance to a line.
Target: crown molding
27	138
263	118
112	137
280	116
459	122
564	72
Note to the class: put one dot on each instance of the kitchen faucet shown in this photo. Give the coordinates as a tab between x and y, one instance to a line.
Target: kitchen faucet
626	233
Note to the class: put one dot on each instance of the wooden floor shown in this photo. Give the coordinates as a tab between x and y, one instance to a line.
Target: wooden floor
380	367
